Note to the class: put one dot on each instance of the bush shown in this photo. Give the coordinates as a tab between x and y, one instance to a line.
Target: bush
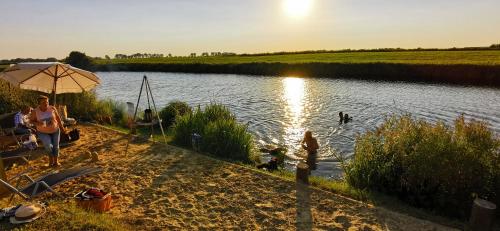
429	165
173	110
11	98
79	60
221	134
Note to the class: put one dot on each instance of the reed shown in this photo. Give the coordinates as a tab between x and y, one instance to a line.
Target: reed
432	166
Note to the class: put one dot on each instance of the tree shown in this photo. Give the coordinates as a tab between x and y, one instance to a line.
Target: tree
79	59
107	57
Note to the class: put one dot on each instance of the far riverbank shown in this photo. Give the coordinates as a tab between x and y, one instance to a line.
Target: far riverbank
463	67
461	74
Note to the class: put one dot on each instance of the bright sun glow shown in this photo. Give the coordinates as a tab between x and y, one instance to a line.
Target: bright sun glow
297	8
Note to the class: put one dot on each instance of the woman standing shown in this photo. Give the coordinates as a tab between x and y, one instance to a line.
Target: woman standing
310	144
49	128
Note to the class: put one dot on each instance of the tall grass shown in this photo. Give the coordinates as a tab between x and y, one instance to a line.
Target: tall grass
221	134
82	106
86	106
432	166
118	111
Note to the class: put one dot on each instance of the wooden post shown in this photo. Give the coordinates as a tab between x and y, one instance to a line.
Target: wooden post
482	215
302	175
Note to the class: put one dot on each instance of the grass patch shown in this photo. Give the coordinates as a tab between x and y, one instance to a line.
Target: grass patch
67	216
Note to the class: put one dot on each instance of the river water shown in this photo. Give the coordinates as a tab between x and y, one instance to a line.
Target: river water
278	110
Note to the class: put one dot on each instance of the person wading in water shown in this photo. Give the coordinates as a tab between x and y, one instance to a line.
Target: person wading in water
310	144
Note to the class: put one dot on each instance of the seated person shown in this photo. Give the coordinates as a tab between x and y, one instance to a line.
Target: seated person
22	122
271	165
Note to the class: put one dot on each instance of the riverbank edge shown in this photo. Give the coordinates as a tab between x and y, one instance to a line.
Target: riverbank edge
456	74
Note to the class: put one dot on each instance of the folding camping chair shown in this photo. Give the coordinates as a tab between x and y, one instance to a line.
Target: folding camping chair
23	151
63	114
45	183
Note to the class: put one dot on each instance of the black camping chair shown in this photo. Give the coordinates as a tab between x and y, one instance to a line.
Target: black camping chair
45	183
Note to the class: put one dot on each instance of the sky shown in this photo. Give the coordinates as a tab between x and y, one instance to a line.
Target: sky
53	28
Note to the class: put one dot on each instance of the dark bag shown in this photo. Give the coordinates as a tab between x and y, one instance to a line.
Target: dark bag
72	136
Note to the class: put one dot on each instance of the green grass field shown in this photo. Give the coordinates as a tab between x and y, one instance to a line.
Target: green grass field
485	57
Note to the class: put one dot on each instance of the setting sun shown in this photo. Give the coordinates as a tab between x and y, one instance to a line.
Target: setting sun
297	8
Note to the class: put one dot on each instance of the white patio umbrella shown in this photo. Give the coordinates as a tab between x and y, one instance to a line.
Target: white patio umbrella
50	77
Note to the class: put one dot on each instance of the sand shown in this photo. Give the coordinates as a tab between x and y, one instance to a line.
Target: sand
161	187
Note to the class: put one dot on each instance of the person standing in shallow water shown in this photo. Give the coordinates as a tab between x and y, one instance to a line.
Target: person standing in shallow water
49	128
310	144
341	117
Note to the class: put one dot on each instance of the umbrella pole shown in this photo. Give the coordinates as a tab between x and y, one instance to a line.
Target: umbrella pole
54	91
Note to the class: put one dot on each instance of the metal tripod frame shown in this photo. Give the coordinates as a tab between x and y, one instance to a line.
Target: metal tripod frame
149	96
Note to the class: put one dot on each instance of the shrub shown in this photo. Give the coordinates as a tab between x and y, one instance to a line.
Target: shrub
429	165
221	134
86	106
173	110
80	105
11	98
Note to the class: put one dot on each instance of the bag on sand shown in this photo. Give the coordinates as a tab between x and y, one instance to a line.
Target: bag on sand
72	136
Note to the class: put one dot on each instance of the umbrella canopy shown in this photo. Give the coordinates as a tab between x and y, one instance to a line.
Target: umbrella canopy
50	77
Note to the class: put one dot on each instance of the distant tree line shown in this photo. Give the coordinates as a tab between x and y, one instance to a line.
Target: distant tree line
492	47
139	56
20	60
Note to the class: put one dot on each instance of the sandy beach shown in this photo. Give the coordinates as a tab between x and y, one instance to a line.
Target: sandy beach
161	187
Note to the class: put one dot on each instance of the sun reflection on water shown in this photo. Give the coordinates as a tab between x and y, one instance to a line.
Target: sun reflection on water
294	95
